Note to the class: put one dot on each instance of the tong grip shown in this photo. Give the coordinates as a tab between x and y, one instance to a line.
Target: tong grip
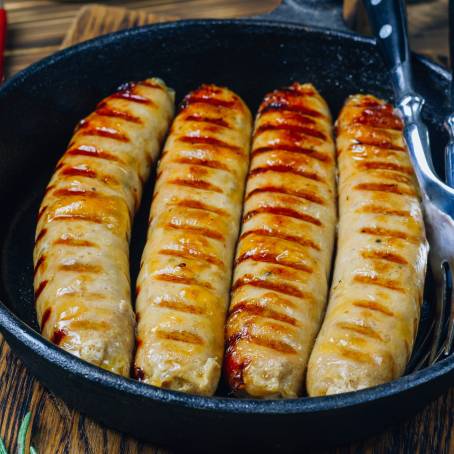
389	24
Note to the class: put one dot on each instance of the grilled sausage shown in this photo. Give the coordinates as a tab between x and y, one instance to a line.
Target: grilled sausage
186	265
283	258
373	312
82	285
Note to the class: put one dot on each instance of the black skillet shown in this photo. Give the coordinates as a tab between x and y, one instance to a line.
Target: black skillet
38	110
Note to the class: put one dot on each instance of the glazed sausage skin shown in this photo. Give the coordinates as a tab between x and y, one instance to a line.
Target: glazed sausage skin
283	257
81	255
183	285
374	307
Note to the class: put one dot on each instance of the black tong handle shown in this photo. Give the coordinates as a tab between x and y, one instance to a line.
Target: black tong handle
389	23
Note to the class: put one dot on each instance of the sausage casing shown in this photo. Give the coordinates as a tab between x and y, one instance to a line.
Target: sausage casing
186	265
373	312
283	257
81	255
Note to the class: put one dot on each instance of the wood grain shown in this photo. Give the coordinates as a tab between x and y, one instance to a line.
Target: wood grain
56	428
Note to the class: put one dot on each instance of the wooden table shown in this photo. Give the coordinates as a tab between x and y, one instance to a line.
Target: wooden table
36	29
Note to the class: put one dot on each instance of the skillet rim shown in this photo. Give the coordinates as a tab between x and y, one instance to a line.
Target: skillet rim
96	376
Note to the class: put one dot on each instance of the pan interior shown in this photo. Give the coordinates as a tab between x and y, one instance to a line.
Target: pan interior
39	109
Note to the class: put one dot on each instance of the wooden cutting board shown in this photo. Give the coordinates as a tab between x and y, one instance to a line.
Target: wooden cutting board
96	20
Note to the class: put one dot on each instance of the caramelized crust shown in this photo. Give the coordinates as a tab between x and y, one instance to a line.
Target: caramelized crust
284	254
184	280
374	305
82	286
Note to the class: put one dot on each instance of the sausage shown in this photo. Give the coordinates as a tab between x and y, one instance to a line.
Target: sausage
374	306
283	257
81	256
183	285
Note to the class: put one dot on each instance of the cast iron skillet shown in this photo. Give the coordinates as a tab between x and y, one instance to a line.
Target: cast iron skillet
38	110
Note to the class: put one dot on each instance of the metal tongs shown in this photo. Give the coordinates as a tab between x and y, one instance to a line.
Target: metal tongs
389	23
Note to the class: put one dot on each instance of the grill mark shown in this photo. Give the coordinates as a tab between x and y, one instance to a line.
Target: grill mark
149	84
202	140
45	317
195	204
204	99
387	233
129	96
306	195
381	117
256	309
355	355
197	184
211	120
80	268
380	144
366	331
138	373
105	111
375	209
58	336
102	131
286	289
273	344
212	164
298	129
295	116
180	306
74	171
282	168
384	187
85	295
67	192
88	150
74	242
394	176
40	261
182	280
41	287
378	281
383	165
180	336
384	255
268	257
79	217
309	152
280	106
273	234
373	306
41	235
49	188
41	212
191	253
200	230
281	211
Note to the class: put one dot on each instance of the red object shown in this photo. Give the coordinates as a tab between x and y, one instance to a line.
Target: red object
3	24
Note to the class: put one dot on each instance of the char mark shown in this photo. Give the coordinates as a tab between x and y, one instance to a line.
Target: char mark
305	195
388	233
283	168
210	120
199	230
384	255
309	152
366	331
103	131
180	336
106	111
252	308
385	187
168	277
88	150
180	306
268	257
41	287
378	281
294	130
305	242
373	306
192	253
286	289
196	184
212	164
196	205
281	211
375	209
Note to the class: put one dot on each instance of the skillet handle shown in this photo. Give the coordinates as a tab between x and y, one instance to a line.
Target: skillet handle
316	13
